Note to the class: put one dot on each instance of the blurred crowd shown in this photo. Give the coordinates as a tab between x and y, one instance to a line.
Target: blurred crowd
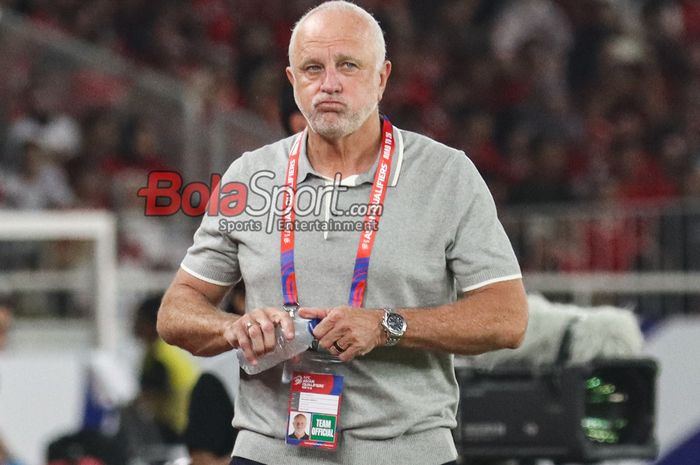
555	101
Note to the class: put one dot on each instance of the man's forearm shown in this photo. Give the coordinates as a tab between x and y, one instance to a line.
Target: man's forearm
491	318
189	320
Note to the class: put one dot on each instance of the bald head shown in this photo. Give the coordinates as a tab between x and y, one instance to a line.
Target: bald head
316	21
337	68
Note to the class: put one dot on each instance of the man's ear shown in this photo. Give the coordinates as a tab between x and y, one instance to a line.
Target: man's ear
290	75
384	73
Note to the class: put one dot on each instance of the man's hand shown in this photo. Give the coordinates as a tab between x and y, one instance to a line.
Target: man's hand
254	332
347	331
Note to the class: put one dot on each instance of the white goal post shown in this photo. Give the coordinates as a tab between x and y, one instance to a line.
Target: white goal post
100	228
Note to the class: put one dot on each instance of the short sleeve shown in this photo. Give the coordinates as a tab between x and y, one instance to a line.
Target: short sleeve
213	256
479	252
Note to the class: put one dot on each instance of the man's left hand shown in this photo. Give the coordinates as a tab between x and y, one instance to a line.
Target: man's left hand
347	331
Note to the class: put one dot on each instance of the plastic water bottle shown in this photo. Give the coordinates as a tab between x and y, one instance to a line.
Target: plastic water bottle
284	349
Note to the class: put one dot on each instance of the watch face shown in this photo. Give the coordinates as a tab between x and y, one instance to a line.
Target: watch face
395	323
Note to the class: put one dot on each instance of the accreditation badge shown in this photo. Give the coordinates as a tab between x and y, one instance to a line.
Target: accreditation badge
314	410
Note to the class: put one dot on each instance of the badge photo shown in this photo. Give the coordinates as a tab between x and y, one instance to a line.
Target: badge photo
298	426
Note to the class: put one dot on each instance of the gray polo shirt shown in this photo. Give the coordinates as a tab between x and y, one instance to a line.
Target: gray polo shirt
438	236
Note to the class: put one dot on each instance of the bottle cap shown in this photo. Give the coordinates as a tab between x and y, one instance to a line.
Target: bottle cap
313	323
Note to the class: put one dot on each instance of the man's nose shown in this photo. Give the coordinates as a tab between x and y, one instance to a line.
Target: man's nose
331	82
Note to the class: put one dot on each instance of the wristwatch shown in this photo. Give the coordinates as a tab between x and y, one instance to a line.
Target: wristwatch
394	326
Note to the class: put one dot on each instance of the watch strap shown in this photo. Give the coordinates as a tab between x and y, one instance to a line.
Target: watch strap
391	338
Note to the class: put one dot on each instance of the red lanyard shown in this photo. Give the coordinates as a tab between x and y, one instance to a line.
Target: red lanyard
370	223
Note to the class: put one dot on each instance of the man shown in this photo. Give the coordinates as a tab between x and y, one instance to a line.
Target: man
299	423
437	238
209	436
5	457
167	375
5	324
291	119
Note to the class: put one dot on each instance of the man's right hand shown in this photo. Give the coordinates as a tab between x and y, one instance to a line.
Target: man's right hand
254	332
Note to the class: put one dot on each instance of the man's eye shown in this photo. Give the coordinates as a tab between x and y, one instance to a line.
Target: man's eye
349	65
313	68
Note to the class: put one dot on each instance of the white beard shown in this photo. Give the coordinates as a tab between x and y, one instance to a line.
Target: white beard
342	125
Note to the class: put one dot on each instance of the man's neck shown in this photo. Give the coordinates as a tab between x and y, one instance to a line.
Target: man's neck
349	155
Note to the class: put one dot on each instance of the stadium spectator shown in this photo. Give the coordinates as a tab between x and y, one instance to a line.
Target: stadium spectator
209	435
167	375
38	184
5	457
615	70
5	324
548	179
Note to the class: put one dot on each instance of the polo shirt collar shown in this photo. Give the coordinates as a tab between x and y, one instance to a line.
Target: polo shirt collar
306	170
